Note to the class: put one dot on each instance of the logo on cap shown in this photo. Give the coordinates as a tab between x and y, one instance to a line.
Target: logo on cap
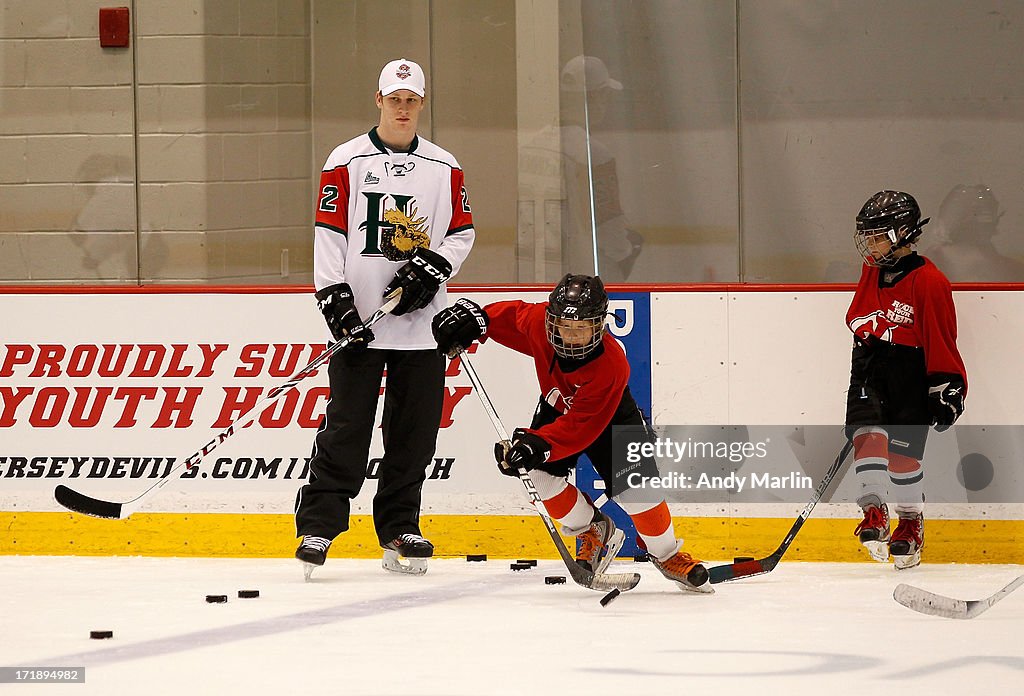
401	74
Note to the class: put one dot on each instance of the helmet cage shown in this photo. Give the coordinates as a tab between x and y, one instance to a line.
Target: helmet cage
582	300
573	351
863	238
893	214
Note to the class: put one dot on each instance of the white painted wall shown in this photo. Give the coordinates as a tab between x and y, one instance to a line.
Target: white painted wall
744	358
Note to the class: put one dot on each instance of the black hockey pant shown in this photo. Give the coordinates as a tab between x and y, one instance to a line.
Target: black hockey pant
889	388
413	399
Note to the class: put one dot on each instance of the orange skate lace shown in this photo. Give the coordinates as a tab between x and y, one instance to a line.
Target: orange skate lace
873	518
590	544
681	564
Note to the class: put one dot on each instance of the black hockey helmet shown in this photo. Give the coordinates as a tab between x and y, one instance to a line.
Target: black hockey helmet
578	303
893	214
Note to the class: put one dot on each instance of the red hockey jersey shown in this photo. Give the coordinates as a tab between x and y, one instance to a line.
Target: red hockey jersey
917	311
587	397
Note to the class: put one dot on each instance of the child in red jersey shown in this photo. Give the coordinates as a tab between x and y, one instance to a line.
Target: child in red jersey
906	372
583	375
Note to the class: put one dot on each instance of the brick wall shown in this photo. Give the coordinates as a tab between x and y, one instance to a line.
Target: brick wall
220	148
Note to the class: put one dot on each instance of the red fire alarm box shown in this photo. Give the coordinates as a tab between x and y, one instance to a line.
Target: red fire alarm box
114	27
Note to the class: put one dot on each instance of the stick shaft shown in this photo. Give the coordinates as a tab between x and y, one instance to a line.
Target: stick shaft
603	582
100	508
744	569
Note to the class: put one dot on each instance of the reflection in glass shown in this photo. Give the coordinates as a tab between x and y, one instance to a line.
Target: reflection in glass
590	172
964	246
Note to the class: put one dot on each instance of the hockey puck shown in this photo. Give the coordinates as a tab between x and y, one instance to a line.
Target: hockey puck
99	635
528	561
519	566
608	598
248	594
641	558
554	580
742	559
216	599
472	557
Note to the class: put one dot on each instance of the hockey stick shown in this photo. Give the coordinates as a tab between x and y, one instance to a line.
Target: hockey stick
927	602
602	582
746	569
86	505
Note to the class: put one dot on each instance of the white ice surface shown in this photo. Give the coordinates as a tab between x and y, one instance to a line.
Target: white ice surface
481	629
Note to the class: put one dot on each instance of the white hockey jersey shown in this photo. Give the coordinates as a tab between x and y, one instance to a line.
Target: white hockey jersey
375	207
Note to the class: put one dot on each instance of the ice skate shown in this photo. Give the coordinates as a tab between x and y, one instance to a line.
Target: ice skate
407	553
907	542
685	571
873	530
312	552
599	543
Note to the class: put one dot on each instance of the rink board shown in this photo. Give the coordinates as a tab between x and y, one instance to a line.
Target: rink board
129	383
498	536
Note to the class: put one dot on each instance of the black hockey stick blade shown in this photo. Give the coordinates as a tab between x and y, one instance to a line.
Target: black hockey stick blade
77	502
743	569
933	604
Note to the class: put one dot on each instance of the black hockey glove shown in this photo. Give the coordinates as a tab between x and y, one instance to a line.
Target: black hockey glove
456	327
527	450
945	399
419	279
337	305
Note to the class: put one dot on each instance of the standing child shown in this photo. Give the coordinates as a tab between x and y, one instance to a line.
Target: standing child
583	375
906	373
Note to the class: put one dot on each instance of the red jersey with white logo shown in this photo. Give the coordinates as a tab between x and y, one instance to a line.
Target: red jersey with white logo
375	207
587	397
911	308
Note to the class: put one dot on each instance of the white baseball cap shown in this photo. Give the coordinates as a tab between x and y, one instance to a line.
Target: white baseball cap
402	74
586	74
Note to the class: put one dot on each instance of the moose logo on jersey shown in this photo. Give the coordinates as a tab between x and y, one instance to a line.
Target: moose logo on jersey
396	232
405	234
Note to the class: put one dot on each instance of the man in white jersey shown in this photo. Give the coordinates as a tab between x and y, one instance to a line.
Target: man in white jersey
392	212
